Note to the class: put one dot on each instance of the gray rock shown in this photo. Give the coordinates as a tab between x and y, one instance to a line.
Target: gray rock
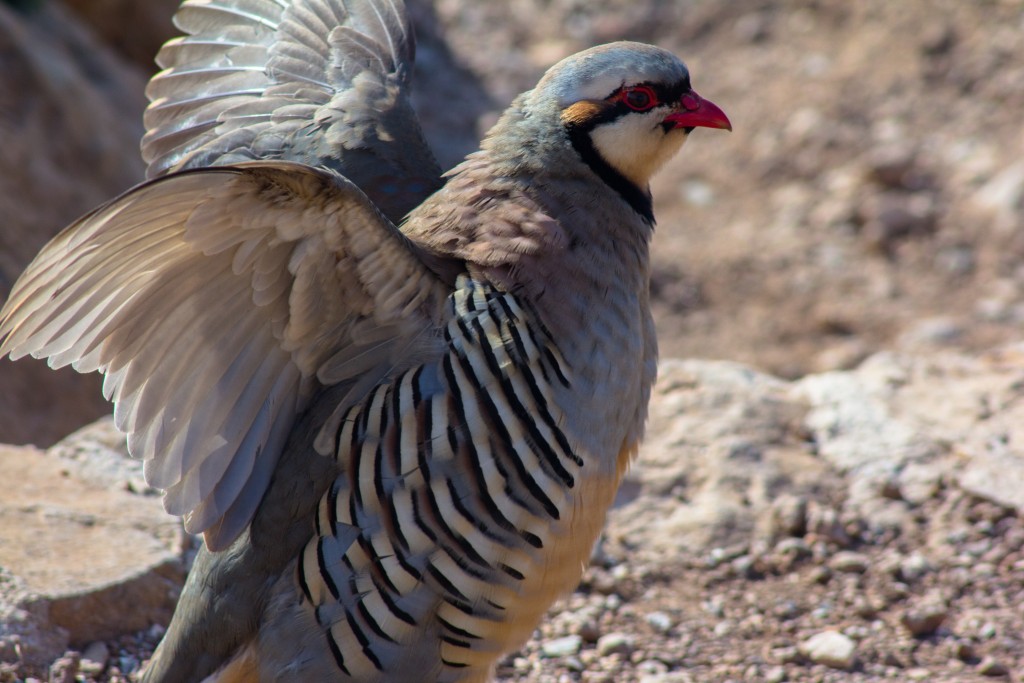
723	443
660	622
94	658
990	666
87	559
615	643
562	647
831	648
849	562
925	618
1003	195
914	567
996	473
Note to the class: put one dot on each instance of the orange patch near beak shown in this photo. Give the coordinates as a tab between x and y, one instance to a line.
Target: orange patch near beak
581	112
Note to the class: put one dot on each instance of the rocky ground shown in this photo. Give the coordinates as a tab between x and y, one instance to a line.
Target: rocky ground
851	510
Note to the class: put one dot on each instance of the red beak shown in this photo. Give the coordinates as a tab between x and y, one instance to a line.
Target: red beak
695	111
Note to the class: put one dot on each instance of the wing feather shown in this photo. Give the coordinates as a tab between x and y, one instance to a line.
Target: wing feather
217	302
322	82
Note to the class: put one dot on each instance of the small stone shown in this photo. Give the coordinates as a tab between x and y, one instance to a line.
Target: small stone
573	664
714	606
830	648
786	609
775	674
787	516
652	667
914	567
744	566
128	664
867	607
821	574
892	167
660	622
614	643
824	523
561	647
925	618
94	658
723	628
786	655
590	631
849	562
65	669
822	611
604	583
964	650
990	666
795	547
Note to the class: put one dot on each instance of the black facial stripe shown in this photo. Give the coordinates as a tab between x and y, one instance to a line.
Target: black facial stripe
579	136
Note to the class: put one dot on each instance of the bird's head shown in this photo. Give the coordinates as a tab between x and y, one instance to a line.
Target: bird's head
627	109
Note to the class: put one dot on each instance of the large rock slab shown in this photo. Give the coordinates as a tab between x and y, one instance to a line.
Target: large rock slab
735	455
86	551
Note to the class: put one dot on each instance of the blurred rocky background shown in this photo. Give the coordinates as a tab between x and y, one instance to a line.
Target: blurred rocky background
834	493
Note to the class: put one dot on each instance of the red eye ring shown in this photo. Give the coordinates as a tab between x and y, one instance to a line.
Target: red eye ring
638	97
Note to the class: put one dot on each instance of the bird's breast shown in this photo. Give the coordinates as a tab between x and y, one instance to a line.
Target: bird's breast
467	503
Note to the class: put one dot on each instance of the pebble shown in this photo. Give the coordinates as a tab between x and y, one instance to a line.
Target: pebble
94	658
660	622
589	631
914	567
821	575
775	674
963	650
788	516
989	666
723	628
925	618
797	547
830	648
987	631
64	669
714	606
128	664
824	523
849	562
652	666
786	655
615	643
562	647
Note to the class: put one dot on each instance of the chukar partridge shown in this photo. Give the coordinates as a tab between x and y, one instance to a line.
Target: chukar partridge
399	442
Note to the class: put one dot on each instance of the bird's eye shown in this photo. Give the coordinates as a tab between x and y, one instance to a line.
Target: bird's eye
639	98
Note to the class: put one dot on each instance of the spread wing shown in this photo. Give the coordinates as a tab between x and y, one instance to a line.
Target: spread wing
217	302
321	82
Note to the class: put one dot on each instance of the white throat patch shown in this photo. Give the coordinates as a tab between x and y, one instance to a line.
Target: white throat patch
636	145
